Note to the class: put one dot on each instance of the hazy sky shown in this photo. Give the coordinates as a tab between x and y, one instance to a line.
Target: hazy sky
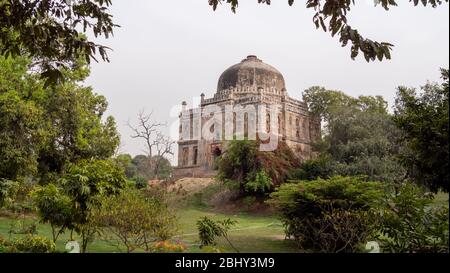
169	51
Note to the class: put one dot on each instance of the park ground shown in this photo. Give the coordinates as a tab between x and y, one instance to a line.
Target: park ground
263	233
254	232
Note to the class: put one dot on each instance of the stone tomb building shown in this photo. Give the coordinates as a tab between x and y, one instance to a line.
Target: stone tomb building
250	84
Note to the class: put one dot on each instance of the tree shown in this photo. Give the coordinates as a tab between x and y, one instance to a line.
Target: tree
125	161
332	15
75	129
134	220
146	130
8	191
143	168
49	32
164	147
85	183
155	141
360	138
20	120
325	103
255	172
162	167
209	230
54	207
424	121
44	129
140	182
321	167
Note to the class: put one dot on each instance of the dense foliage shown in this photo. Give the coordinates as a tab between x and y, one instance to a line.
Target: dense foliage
334	215
8	191
135	220
28	244
360	138
139	168
52	32
423	118
55	208
44	129
253	171
68	203
85	183
56	143
411	224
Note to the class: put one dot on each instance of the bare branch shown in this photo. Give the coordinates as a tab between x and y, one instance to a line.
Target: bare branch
146	130
155	140
164	146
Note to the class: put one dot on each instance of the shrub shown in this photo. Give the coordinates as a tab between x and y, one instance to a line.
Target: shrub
32	244
209	230
262	183
8	191
85	183
412	225
134	221
321	167
333	215
156	193
20	226
54	207
167	247
4	245
279	163
255	172
140	182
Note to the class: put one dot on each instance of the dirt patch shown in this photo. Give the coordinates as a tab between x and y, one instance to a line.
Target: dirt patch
190	185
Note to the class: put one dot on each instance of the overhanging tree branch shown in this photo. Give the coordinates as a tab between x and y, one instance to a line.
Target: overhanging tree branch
331	15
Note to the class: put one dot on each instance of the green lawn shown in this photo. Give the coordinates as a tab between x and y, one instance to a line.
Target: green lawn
45	231
251	233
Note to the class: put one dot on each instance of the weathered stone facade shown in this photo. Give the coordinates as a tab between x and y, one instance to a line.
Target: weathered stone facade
249	83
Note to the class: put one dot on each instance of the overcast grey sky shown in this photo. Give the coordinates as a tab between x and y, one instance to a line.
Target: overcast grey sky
169	51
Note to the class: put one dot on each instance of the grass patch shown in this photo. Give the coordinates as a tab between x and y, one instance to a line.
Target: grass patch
45	230
252	233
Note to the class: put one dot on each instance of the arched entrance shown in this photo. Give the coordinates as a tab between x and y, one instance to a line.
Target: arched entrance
216	152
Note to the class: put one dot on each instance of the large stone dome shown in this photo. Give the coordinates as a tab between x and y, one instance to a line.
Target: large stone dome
251	73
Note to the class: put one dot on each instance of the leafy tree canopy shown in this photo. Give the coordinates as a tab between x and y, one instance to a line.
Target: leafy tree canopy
86	183
52	32
423	118
254	171
360	137
45	128
134	220
333	215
